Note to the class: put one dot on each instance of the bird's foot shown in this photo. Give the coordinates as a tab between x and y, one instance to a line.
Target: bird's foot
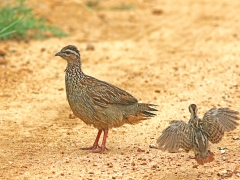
99	150
91	148
95	149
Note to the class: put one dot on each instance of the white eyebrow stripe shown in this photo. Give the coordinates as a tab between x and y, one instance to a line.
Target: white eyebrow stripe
71	51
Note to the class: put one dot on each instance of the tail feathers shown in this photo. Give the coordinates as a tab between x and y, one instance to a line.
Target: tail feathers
206	159
148	114
145	108
142	113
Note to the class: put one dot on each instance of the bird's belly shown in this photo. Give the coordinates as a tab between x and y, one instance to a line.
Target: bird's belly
99	117
80	108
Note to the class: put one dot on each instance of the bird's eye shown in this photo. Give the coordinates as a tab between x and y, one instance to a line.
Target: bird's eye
67	52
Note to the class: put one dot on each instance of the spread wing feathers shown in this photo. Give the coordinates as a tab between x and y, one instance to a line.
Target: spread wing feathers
216	121
213	130
104	94
177	135
224	116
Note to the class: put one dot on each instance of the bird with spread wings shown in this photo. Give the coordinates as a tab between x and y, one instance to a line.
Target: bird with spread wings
196	134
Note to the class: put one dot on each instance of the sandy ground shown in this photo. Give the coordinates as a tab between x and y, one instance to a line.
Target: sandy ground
170	53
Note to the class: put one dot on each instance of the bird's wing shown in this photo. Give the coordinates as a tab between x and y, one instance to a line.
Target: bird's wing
216	121
177	135
103	93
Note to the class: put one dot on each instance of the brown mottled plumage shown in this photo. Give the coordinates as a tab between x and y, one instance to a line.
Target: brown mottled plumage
197	133
98	103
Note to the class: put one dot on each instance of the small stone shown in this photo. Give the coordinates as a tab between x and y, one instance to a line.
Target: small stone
140	150
155	166
221	148
223	151
72	116
43	49
225	173
102	16
236	137
153	146
224	158
157	11
90	47
195	166
110	165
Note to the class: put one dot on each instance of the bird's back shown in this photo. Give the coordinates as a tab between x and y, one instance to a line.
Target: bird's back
200	142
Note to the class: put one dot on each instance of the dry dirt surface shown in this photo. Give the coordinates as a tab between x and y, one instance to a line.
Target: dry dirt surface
167	52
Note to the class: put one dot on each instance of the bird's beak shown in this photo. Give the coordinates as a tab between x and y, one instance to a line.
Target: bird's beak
58	54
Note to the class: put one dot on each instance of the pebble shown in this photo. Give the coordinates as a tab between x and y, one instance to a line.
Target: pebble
236	137
90	47
157	11
223	151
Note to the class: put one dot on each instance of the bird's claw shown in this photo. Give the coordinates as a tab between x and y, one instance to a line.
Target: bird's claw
91	148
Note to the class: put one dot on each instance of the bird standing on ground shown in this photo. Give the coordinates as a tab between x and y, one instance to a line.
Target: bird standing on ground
98	103
197	133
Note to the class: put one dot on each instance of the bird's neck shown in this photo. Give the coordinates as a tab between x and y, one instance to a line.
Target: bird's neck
74	69
194	116
195	121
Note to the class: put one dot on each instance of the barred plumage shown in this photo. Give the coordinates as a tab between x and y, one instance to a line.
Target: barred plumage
99	103
196	134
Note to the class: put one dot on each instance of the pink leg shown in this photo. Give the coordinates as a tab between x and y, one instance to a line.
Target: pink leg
103	147
95	144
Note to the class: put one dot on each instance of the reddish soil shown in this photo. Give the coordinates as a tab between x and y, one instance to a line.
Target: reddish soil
170	53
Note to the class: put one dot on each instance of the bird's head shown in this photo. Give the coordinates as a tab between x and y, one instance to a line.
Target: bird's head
193	109
69	53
